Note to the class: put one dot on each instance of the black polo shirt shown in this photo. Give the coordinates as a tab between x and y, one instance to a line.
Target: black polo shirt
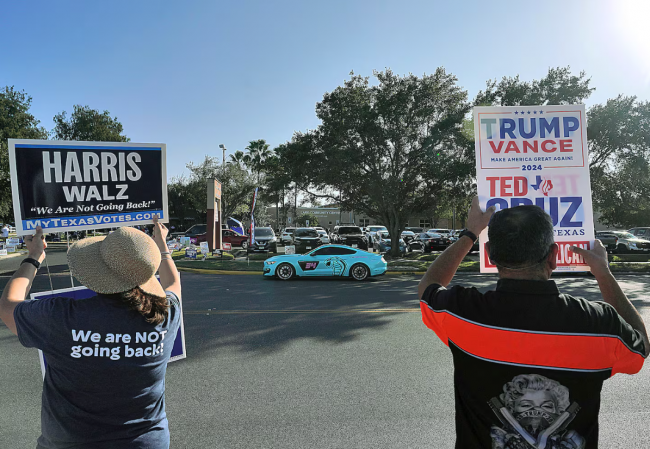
529	362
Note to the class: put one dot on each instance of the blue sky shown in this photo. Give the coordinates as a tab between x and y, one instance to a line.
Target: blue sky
194	74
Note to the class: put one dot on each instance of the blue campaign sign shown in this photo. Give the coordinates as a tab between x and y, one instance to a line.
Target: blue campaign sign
74	186
178	351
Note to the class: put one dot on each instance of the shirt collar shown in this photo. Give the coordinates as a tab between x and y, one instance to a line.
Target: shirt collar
527	287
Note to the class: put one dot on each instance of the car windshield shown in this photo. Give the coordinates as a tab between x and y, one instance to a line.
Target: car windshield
197	229
264	232
439	231
306	233
384	235
377	228
349	230
321	232
625	235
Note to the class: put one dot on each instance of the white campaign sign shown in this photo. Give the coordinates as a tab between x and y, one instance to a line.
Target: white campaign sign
537	155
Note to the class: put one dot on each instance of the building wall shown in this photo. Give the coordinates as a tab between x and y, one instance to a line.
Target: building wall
328	217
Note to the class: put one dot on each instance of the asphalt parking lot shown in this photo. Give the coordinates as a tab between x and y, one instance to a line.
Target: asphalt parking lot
313	364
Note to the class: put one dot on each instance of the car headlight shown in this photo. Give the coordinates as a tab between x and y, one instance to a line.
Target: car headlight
270	262
632	245
383	260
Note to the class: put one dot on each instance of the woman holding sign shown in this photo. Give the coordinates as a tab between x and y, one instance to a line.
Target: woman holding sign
104	385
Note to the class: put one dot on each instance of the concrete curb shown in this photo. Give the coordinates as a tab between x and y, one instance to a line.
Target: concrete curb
388	273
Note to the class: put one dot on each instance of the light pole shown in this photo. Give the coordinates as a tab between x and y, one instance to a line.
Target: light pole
223	147
223	165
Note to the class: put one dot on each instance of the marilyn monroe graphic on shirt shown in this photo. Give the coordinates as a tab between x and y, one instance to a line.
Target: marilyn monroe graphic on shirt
535	412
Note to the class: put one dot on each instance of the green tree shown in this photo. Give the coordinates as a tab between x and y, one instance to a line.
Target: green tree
87	124
309	216
619	150
559	86
16	122
386	150
188	196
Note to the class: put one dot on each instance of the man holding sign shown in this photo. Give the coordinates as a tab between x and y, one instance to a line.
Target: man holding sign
529	361
107	355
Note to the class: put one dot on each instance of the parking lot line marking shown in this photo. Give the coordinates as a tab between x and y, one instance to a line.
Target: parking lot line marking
230	312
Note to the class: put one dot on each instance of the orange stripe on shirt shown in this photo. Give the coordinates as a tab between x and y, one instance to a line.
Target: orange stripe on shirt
580	352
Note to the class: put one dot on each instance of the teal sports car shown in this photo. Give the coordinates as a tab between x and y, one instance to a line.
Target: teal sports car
327	260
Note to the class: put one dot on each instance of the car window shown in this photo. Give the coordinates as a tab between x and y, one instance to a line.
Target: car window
341	251
322	251
625	235
264	232
305	233
197	229
349	230
640	232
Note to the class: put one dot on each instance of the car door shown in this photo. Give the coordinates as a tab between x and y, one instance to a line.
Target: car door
335	262
312	264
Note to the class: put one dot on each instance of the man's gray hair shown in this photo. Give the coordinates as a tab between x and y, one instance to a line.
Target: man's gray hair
520	236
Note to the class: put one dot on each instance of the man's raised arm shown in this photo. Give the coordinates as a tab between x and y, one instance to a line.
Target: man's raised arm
443	269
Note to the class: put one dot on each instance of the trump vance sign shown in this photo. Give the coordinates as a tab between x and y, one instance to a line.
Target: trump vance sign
72	186
537	155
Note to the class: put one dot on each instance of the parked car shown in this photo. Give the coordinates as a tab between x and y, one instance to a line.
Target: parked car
407	236
322	233
432	242
265	241
351	236
197	233
287	236
475	246
327	260
608	239
306	239
446	233
643	233
234	238
371	230
628	243
382	243
415	230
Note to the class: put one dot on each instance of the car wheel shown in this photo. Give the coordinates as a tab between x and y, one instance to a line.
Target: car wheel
359	272
427	249
285	271
244	244
621	249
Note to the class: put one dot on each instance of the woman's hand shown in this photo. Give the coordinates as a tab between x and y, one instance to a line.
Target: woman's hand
160	232
36	244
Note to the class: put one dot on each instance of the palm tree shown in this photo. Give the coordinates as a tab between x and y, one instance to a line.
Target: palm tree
239	158
258	153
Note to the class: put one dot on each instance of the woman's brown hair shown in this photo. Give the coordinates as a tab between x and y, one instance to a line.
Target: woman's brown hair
154	308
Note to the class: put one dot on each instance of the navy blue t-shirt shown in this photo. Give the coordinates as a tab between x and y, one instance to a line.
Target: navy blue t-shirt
104	384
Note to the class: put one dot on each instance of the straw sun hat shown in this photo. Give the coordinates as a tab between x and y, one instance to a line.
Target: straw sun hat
124	259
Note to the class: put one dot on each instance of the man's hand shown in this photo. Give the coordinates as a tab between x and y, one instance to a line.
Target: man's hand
595	258
160	234
478	220
36	245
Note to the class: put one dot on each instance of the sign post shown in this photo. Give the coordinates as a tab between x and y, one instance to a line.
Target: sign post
537	155
72	186
214	214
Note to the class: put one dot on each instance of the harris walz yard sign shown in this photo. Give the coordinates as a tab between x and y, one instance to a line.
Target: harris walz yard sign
72	186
